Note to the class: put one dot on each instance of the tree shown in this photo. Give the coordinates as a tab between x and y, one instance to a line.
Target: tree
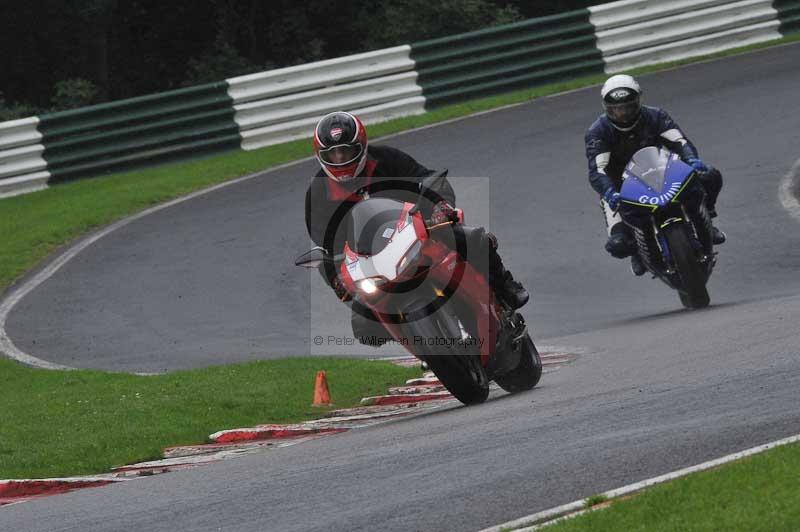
98	15
404	21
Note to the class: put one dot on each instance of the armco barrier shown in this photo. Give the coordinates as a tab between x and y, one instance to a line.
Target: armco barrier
303	127
634	33
282	105
94	139
506	57
22	167
789	14
628	12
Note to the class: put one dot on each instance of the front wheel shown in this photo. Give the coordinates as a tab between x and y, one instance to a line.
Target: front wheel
459	370
693	292
527	373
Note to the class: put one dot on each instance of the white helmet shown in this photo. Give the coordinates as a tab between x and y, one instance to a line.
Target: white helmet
622	101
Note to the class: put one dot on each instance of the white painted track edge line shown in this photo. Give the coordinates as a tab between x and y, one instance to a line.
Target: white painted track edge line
8	347
88	478
543	517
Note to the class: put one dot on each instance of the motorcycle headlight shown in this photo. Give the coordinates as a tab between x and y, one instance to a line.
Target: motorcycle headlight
410	257
370	285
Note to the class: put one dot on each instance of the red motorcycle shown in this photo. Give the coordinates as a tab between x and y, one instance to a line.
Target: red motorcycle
431	301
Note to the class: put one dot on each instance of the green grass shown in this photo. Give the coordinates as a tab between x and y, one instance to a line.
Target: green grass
594	500
760	493
61	423
33	225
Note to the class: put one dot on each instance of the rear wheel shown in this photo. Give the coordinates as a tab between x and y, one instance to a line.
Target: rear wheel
459	371
527	373
693	280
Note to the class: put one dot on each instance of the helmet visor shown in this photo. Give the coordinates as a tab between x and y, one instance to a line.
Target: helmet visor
623	113
341	155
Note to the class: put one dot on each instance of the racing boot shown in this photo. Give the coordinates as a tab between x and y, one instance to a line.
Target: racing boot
512	292
488	261
637	266
717	236
508	290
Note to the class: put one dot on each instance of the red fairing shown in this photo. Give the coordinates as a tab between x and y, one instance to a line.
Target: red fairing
401	222
344	273
419	226
472	288
416	219
475	292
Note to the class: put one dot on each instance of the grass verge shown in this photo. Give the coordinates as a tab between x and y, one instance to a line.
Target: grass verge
63	423
35	224
758	493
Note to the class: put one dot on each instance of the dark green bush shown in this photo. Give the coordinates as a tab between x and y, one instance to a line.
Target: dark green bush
73	93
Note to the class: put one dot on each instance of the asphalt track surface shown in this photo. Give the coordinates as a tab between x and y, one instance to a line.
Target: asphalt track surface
657	388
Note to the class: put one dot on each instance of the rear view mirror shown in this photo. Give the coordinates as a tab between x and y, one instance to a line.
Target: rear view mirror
432	182
313	258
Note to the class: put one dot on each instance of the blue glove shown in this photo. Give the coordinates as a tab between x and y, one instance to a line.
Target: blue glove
698	165
612	197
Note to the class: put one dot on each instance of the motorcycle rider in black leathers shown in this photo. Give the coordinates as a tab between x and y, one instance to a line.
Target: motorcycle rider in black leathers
349	171
624	128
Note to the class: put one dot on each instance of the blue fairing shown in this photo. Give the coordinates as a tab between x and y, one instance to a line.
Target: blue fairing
654	177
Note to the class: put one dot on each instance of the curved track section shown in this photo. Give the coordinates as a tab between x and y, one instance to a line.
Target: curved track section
212	281
657	389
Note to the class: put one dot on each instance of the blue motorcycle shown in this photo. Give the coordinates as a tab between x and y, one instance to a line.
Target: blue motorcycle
664	203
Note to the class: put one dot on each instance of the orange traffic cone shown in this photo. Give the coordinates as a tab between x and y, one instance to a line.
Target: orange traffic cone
322	397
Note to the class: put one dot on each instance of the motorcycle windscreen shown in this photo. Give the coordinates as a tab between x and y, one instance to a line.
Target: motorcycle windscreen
649	165
654	176
372	224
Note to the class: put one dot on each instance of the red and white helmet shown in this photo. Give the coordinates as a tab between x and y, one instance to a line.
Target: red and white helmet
340	145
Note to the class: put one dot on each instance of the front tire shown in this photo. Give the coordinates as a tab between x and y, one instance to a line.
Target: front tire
459	371
527	373
694	293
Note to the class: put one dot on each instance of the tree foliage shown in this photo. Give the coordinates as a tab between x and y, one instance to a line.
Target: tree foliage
74	92
62	54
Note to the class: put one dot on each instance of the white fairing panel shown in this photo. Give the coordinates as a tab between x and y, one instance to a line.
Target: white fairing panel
385	263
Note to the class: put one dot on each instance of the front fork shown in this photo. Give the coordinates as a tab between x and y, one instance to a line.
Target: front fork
705	254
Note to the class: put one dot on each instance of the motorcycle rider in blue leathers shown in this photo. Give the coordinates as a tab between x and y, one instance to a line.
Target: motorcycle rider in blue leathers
624	128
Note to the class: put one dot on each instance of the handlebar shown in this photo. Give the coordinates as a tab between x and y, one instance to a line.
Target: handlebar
458	218
430	226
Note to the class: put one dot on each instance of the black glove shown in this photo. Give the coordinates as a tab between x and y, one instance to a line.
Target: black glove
444	212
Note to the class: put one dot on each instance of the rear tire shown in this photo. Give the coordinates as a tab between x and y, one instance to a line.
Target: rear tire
527	373
694	293
459	371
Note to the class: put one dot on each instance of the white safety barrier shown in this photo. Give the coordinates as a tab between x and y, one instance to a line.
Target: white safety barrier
634	33
284	104
22	167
